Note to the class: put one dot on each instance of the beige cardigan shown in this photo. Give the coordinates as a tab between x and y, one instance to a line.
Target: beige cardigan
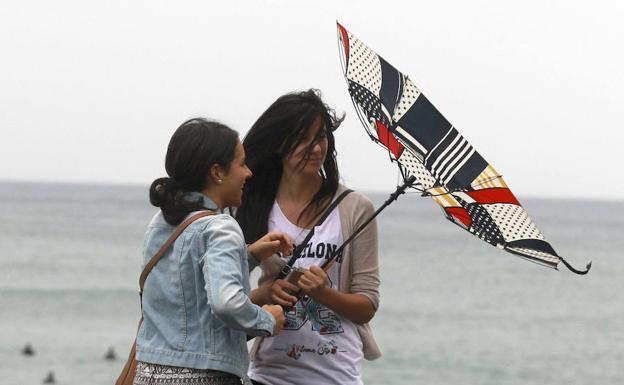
359	270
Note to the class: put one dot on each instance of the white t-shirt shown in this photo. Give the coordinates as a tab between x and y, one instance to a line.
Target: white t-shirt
316	346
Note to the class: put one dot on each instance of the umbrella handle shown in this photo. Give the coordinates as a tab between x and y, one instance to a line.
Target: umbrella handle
293	276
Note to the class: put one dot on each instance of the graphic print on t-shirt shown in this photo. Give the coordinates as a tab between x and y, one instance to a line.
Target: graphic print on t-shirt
320	250
295	351
322	319
315	341
308	313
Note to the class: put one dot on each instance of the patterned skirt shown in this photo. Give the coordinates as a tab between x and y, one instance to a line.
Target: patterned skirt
154	374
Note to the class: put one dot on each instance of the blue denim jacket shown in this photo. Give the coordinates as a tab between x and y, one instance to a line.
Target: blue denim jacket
196	309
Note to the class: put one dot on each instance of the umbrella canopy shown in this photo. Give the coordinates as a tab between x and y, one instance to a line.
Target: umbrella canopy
471	193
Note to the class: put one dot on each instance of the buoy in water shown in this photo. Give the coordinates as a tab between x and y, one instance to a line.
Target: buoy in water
28	350
49	378
110	354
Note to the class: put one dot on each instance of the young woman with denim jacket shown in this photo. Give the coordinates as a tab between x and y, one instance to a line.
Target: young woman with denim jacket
326	335
196	306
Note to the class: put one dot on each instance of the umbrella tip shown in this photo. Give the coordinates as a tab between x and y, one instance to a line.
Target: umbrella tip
579	272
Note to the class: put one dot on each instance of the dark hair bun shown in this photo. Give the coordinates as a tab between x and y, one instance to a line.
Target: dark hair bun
162	192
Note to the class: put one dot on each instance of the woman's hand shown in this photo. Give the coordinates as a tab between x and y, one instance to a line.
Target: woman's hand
273	242
278	292
313	282
356	307
281	293
278	313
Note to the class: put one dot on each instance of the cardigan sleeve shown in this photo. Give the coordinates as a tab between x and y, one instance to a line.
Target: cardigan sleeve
364	249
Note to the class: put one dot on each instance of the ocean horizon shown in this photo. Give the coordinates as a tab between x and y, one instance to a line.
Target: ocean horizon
378	192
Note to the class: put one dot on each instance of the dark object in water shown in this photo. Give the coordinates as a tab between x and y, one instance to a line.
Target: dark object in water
28	350
49	378
110	354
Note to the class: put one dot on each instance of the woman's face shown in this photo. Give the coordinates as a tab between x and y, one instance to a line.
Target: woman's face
231	187
304	162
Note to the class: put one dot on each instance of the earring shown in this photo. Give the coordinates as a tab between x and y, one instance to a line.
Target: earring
219	180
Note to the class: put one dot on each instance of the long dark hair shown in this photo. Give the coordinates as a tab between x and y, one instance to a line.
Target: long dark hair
194	148
276	133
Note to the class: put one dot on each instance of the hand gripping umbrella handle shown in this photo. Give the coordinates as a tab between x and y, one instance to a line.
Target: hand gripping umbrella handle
292	274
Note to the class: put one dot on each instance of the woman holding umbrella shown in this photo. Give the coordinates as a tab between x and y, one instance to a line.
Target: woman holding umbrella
290	151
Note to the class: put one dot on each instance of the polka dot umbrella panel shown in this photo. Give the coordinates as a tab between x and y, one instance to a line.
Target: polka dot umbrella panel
471	193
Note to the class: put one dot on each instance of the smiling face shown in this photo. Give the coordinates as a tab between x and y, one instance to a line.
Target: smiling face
230	189
309	155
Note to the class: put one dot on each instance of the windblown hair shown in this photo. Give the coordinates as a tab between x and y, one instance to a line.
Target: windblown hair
273	137
194	148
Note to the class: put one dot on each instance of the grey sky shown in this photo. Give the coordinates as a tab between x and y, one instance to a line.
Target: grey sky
91	91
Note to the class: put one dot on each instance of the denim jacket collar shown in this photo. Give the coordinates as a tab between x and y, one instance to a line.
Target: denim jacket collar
207	202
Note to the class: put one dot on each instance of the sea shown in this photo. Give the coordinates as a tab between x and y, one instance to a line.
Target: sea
454	310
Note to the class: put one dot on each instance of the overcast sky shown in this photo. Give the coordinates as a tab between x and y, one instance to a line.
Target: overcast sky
92	91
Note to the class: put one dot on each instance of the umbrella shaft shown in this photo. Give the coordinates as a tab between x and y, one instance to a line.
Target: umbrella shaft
400	190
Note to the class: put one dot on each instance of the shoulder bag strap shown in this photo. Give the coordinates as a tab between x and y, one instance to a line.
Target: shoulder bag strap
129	370
152	262
286	269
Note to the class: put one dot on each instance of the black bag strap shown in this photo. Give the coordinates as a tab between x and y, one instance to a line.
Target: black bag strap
299	249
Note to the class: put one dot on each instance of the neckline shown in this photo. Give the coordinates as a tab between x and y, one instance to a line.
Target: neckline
285	218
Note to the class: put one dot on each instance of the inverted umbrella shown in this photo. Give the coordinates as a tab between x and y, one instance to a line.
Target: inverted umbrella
435	159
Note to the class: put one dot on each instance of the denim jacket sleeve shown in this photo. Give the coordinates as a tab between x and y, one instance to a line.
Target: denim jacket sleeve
227	286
